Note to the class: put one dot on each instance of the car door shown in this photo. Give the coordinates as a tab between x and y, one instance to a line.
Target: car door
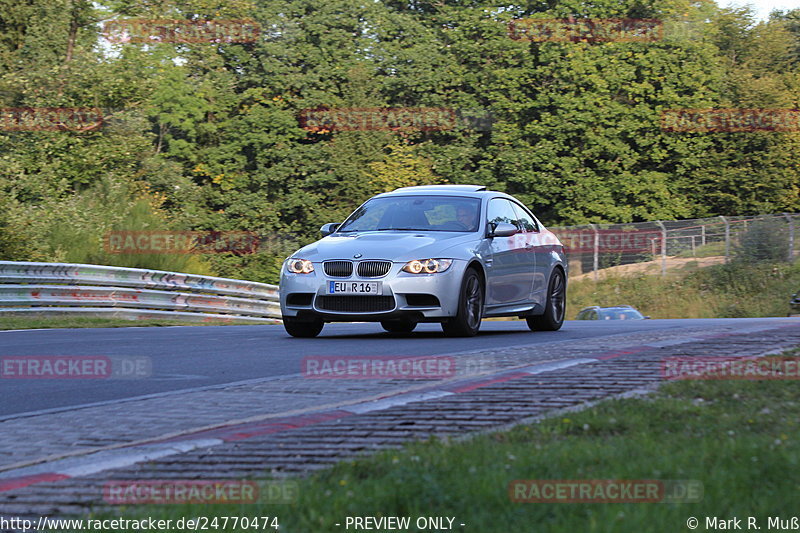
536	254
510	276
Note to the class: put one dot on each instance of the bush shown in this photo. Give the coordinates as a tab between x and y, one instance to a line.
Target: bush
763	240
72	229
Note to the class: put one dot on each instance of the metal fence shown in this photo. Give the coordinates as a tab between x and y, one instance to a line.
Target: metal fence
597	250
131	293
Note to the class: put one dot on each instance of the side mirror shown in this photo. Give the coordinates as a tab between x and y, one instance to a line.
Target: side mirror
503	229
327	229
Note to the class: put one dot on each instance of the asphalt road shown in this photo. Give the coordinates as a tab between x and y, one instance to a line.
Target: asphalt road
183	358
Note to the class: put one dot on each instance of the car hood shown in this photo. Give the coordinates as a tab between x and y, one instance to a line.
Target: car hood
392	245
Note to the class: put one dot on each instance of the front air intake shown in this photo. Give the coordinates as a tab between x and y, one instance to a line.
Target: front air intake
356	303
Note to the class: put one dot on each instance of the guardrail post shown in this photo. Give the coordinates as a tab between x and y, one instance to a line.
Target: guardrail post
727	238
789	218
703	235
663	247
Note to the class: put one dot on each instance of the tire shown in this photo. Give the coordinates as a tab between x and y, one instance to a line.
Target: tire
398	326
555	305
304	329
467	321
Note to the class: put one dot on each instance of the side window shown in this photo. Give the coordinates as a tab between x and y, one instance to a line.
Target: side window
524	220
593	315
500	210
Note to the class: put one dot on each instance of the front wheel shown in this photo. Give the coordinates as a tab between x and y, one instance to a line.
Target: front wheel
304	329
467	321
555	305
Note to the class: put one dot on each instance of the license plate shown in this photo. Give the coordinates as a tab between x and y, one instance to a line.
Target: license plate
354	287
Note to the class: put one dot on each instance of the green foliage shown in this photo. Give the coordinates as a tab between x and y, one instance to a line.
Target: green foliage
210	131
763	240
401	168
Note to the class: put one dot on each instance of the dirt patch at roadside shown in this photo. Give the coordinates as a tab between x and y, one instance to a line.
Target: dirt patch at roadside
653	267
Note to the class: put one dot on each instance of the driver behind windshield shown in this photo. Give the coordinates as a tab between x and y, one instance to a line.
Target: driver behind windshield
468	217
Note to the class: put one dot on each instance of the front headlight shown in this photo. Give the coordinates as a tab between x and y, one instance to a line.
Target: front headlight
427	266
299	266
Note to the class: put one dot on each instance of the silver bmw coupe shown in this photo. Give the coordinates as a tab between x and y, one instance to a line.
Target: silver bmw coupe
453	254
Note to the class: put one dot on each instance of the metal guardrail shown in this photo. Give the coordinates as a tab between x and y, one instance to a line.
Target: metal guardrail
133	293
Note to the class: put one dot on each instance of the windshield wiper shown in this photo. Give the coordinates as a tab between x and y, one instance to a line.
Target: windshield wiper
380	229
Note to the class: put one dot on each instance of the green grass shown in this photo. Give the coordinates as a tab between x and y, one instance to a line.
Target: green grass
734	290
91	322
741	440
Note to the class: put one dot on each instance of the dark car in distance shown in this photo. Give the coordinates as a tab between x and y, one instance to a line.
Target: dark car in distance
618	312
794	304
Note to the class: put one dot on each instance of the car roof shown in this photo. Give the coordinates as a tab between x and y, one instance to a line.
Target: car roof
476	191
443	186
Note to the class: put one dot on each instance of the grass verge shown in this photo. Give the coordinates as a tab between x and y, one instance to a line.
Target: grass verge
740	439
734	290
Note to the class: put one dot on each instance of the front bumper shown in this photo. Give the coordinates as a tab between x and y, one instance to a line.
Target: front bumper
418	297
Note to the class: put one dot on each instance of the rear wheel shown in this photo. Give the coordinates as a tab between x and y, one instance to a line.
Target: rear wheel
555	305
302	328
398	326
467	321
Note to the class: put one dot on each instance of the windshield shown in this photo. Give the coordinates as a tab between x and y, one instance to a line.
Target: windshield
415	213
621	314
